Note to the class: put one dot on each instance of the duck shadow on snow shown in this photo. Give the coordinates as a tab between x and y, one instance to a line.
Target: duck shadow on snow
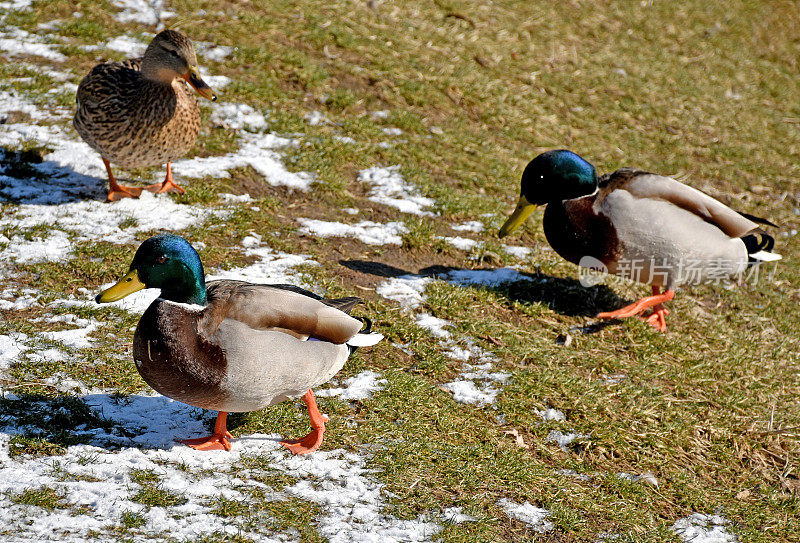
26	178
562	295
108	421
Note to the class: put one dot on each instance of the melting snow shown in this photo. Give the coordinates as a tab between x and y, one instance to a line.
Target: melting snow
469	226
129	45
563	440
371	233
256	151
527	513
700	528
238	116
389	188
11	347
360	387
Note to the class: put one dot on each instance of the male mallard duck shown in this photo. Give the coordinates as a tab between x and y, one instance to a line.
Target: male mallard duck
139	112
639	225
234	346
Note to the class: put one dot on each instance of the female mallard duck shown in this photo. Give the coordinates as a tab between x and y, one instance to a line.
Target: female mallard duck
638	225
139	112
234	346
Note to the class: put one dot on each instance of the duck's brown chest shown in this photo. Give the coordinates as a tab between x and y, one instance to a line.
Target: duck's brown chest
574	230
177	362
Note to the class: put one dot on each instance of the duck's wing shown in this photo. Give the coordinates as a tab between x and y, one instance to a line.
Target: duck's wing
651	186
284	308
345	304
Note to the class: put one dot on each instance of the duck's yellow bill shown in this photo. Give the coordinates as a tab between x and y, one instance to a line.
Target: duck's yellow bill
197	83
522	212
127	285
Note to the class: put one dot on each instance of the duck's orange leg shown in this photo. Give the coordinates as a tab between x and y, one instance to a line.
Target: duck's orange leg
657	319
168	185
312	441
117	191
216	441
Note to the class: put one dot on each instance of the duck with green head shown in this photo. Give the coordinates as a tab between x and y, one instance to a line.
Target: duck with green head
234	346
639	225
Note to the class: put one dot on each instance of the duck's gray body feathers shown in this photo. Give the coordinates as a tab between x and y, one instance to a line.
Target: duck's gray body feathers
250	347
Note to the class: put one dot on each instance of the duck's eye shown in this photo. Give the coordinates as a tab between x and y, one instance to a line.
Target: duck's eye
161	259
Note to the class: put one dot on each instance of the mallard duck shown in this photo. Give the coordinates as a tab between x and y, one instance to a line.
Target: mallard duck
638	225
139	112
233	346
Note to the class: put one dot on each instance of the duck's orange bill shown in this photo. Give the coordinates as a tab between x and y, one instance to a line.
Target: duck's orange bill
127	285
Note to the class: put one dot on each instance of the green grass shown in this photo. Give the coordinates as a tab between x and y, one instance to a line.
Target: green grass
705	91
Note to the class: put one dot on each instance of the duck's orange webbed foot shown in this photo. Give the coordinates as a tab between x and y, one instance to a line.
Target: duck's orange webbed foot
657	319
217	441
312	441
117	191
168	185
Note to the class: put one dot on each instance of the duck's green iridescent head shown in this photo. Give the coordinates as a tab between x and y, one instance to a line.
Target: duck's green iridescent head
165	261
551	177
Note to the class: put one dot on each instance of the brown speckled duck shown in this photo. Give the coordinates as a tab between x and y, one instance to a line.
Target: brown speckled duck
643	226
233	346
140	112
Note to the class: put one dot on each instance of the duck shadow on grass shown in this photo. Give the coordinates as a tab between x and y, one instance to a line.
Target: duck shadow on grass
42	424
27	178
563	295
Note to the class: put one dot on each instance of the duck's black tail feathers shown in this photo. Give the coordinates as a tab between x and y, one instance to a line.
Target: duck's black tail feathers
365	337
759	246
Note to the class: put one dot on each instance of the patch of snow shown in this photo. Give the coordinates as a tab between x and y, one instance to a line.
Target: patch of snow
127	44
76	338
700	528
563	440
11	347
468	392
16	4
17	42
535	517
465	244
552	414
469	226
369	232
351	210
54	248
256	151
238	116
99	480
9	301
456	515
359	387
407	290
92	219
273	267
648	478
141	11
392	131
434	325
218	53
389	188
316	118
381	114
518	251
